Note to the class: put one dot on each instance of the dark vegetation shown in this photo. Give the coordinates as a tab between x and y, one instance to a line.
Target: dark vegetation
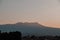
41	37
10	36
18	36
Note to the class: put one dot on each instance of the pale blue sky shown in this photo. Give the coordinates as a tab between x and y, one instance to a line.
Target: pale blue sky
29	10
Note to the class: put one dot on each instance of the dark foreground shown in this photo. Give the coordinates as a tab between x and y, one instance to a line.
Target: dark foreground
42	38
18	36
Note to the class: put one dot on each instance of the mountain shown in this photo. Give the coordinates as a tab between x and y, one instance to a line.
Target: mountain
30	28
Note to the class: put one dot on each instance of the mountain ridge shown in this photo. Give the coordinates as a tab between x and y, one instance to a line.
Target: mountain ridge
30	28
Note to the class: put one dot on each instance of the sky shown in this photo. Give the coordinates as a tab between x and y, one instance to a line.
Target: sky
46	12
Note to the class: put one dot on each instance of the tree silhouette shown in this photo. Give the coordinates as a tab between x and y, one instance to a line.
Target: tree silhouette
10	36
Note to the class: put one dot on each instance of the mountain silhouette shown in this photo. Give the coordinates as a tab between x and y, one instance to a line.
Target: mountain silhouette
30	29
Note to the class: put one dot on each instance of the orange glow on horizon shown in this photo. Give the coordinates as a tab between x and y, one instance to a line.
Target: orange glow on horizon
53	24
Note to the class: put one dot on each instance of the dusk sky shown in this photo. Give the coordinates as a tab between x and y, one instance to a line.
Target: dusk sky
46	12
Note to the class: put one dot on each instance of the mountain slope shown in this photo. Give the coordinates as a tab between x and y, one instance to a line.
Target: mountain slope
30	28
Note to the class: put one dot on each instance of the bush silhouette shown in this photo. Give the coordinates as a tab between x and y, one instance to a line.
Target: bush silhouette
10	36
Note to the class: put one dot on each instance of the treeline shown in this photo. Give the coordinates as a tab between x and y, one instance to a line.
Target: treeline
48	37
10	36
18	36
